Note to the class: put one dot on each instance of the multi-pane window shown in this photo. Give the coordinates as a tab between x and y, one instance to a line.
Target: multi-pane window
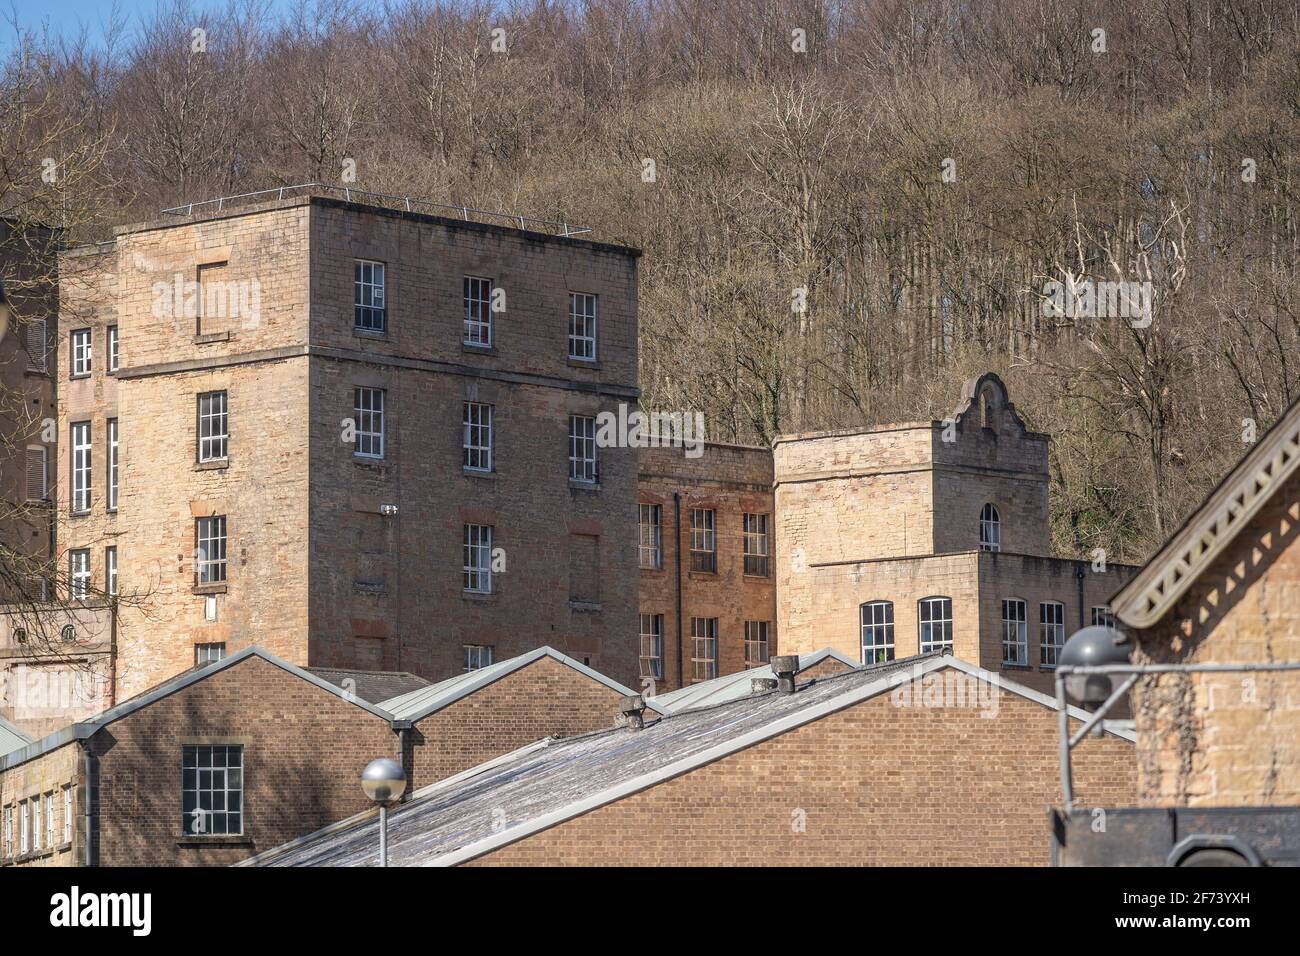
582	448
1015	632
652	645
210	550
582	326
110	570
477	656
1103	616
212	790
50	831
477	436
111	358
478	558
651	548
756	648
877	622
67	814
478	311
704	539
1051	632
756	545
209	653
24	829
370	314
9	832
79	574
112	464
80	466
990	529
38	473
935	618
704	648
81	352
369	406
214	426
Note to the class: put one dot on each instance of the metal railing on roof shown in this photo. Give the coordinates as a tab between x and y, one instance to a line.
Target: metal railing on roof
386	200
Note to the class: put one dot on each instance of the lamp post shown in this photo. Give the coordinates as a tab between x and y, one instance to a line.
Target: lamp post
383	780
1090	647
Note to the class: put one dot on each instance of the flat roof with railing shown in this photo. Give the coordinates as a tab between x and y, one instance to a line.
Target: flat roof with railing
386	200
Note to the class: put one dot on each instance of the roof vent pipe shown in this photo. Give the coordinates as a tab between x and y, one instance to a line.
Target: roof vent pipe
785	667
631	712
760	685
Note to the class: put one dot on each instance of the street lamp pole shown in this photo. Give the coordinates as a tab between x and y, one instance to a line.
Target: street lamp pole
383	781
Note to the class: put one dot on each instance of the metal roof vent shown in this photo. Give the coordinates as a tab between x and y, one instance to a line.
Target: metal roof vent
761	685
631	712
785	667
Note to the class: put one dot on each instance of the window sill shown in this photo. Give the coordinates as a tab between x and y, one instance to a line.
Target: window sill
577	485
43	373
701	575
79	376
363	587
214	841
85	512
757	577
215	464
477	473
470	349
585	607
370	463
592	364
1007	666
659	569
373	334
208	338
221	588
1045	667
479	597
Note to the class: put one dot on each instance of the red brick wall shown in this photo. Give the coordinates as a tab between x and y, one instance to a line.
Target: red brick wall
304	750
544	699
877	784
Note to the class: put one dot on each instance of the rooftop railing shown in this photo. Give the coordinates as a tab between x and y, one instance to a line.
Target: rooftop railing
385	200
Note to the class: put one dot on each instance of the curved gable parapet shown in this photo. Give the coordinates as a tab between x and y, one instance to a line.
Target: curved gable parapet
985	395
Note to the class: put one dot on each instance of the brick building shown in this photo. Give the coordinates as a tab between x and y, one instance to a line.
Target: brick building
1224	589
360	436
926	761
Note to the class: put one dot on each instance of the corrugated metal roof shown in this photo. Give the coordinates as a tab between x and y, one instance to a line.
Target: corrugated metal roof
11	738
551	781
418	704
733	686
373	686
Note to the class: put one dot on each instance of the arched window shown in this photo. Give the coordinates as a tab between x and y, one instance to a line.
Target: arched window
986	409
877	632
934	617
990	529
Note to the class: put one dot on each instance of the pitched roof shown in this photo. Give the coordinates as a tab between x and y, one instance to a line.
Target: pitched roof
557	779
11	738
373	686
733	686
87	728
1209	530
420	703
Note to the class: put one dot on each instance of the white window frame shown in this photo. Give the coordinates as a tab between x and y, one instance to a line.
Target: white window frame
583	318
876	630
650	551
476	436
34	811
477	570
67	813
78	574
477	656
50	829
990	528
583	466
1051	633
81	448
757	544
214	425
9	831
1102	616
757	648
652	646
210	549
24	827
110	570
704	648
1015	632
478	312
111	360
111	502
226	779
368	404
209	652
370	296
704	540
934	613
82	349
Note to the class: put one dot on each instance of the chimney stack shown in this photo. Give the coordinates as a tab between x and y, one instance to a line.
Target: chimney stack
631	712
785	667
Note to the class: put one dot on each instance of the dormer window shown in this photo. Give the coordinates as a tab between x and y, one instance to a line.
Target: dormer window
990	529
